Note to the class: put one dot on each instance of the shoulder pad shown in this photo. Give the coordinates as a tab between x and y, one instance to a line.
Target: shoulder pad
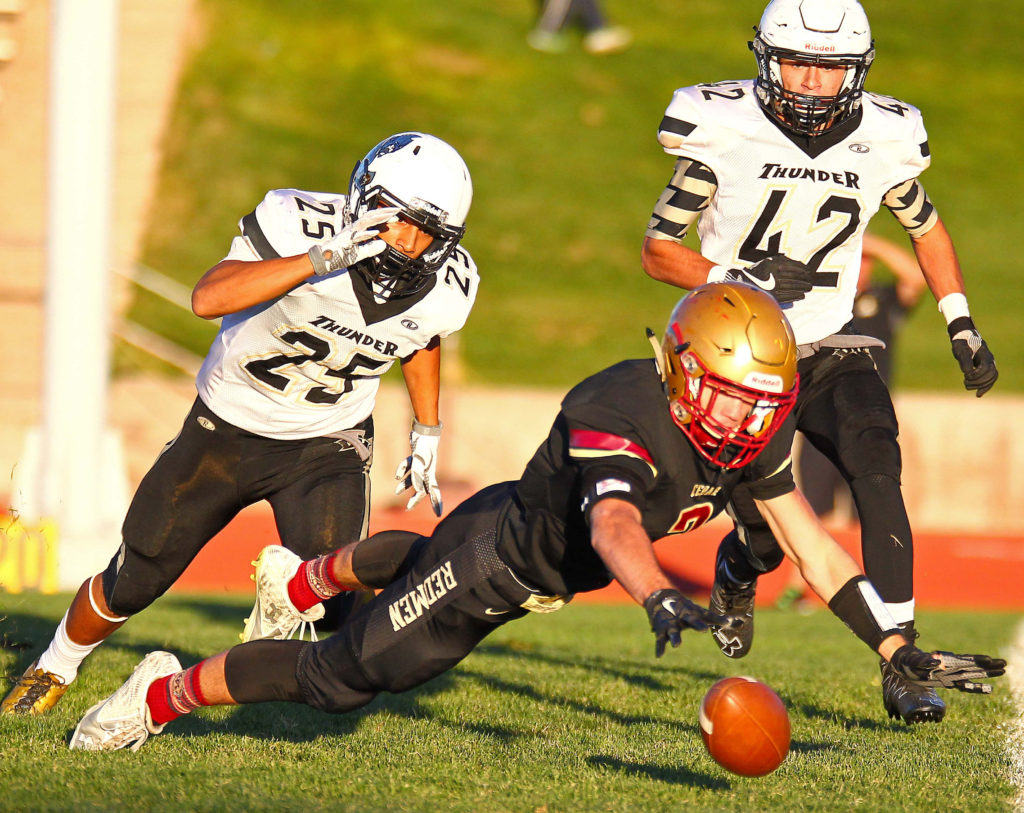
288	221
693	109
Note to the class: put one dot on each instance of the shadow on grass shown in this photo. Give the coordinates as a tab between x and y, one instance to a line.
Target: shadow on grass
659	773
622	669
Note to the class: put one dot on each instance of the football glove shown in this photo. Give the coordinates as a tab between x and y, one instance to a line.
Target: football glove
785	279
357	241
671	613
972	354
419	470
946	670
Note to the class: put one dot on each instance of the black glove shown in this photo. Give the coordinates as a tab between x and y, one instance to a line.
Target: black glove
671	613
785	279
972	354
944	669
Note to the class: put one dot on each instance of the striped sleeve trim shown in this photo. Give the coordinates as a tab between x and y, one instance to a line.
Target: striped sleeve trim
252	232
677	126
587	443
910	205
687	195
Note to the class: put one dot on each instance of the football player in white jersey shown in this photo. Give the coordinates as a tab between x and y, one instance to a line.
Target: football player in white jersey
320	295
782	174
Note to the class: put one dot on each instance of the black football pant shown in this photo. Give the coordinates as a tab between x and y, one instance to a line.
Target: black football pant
318	488
844	409
447	595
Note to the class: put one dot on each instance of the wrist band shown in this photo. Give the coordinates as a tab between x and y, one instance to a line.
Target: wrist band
953	306
316	256
426	428
718	273
861	608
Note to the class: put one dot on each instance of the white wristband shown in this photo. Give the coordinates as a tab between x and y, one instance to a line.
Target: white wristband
718	273
953	306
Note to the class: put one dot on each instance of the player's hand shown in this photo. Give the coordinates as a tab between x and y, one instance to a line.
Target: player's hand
419	470
671	613
785	279
972	354
357	241
947	670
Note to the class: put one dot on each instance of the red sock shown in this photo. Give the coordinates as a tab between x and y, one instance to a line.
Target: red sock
313	583
170	697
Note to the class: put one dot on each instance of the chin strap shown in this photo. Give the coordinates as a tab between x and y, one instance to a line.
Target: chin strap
657	353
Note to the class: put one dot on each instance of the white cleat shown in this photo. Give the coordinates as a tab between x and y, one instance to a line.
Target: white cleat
123	718
274	617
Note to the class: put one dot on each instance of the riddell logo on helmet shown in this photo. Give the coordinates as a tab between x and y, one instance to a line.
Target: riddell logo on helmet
821	49
766	383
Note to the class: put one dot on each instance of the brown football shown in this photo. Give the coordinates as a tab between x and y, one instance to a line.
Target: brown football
745	726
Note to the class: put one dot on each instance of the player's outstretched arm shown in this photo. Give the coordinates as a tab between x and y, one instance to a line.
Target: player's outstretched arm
619	538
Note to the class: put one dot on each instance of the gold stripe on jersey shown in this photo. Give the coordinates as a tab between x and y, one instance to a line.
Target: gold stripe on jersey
687	195
584	454
910	205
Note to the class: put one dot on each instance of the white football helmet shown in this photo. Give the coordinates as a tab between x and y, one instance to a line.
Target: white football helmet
428	180
822	32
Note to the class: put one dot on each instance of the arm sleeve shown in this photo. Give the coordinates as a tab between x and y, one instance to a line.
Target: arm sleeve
910	205
687	195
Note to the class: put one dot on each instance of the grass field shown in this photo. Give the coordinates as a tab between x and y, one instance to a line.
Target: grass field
569	712
562	148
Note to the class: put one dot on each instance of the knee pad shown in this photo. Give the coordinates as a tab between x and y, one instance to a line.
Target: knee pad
125	589
873	450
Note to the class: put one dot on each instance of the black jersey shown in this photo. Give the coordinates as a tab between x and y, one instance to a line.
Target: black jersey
614	437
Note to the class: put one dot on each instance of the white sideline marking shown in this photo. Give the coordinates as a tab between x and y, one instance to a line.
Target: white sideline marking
1015	746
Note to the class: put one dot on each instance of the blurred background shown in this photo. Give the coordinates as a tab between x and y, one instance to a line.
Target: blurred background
219	100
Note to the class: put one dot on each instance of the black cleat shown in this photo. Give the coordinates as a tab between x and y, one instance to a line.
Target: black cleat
905	699
734	599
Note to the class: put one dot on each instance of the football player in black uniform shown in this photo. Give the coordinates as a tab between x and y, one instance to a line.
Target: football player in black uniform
622	465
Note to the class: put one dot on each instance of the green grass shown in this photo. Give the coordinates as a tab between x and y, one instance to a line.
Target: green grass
547	715
562	149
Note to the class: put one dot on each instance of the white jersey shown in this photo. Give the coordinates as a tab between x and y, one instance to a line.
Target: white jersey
309	362
773	197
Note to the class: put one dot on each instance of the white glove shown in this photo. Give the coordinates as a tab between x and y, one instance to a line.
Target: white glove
355	242
419	470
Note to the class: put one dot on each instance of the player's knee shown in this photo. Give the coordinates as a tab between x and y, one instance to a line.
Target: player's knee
125	592
874	452
384	557
331	681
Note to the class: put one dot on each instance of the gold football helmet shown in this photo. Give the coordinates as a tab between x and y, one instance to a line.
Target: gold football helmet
726	340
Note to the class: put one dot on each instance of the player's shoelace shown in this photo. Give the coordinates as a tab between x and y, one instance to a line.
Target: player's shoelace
36	686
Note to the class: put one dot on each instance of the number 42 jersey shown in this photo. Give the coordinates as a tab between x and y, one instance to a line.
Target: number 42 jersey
809	199
308	363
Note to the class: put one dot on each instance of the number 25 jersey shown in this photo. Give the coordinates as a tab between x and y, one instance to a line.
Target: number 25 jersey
308	363
811	202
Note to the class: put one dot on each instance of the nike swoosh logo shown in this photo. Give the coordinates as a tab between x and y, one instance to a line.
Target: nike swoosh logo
764	285
490	611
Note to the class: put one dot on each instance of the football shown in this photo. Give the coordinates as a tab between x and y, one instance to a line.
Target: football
745	726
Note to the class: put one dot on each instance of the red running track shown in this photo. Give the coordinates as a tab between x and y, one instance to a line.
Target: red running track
969	571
